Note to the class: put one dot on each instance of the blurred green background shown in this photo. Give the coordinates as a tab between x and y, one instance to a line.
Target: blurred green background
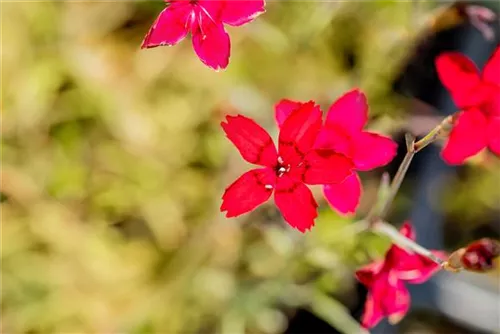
113	166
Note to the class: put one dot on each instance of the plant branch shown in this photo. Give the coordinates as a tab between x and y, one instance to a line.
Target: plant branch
386	195
443	127
400	175
380	210
390	231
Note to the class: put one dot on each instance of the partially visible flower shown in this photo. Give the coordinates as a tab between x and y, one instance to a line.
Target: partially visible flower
478	95
343	132
480	16
205	20
388	296
478	256
285	171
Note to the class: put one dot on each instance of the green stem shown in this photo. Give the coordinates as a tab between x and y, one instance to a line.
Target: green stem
376	216
443	127
400	175
382	227
412	148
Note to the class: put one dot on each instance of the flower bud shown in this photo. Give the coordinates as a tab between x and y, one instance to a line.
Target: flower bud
479	255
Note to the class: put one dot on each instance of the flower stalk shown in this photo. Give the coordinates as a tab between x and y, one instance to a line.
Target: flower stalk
400	175
444	127
380	210
390	231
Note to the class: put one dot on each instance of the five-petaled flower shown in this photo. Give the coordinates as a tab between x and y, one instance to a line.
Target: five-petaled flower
205	20
343	132
286	170
478	95
387	295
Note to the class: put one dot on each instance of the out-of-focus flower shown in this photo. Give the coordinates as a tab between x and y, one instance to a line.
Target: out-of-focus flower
480	16
205	20
478	256
286	170
388	296
478	94
343	132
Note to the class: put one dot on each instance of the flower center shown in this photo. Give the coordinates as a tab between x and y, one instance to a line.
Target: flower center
281	167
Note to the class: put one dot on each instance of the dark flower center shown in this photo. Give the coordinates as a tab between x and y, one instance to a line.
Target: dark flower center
281	168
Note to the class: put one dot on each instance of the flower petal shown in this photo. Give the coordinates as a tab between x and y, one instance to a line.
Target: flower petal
210	10
494	135
253	142
296	203
373	150
249	191
492	106
460	76
322	166
284	108
491	72
367	274
299	132
372	313
417	269
388	297
409	266
344	197
397	302
408	231
350	111
211	44
171	26
336	138
238	12
401	258
468	137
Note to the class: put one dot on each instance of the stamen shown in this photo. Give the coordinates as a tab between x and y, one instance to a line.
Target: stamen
268	186
206	12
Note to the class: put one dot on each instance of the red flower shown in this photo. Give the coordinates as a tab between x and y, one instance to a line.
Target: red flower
205	20
478	126
343	132
286	170
387	295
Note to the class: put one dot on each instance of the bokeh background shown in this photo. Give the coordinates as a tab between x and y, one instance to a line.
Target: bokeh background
114	163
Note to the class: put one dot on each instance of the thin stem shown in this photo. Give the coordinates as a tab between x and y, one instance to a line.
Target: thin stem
376	217
412	148
442	127
400	175
382	227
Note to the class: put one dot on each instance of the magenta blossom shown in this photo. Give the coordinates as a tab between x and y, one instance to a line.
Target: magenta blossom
387	293
478	95
343	132
205	20
284	171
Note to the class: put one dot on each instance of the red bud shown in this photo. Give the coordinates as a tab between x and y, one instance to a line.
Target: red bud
479	255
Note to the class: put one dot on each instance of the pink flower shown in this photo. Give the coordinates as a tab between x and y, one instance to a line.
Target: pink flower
343	132
387	293
286	170
205	20
478	126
